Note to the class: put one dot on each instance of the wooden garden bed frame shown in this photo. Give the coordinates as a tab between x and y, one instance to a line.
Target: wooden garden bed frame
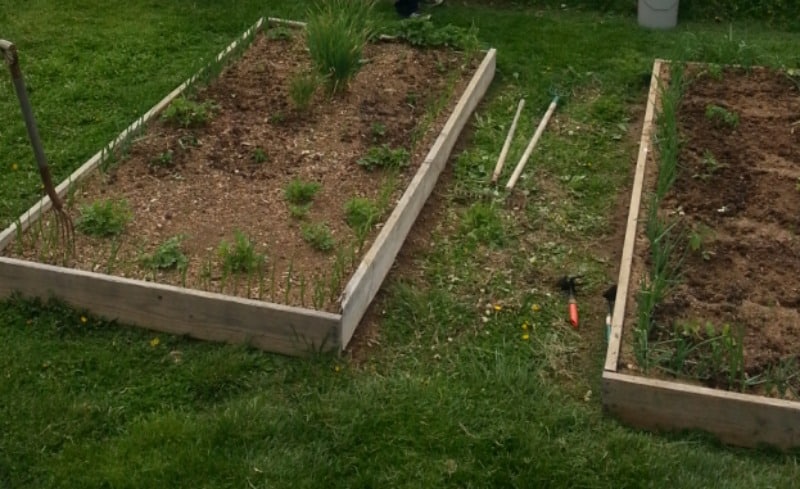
657	405
218	317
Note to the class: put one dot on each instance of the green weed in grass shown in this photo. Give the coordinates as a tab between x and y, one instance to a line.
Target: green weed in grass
482	223
336	33
299	192
184	112
104	218
240	256
319	236
384	157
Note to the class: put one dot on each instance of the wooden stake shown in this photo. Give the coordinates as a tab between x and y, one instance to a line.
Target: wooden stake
504	152
539	130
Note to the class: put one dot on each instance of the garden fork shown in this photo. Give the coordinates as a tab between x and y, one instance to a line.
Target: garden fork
63	221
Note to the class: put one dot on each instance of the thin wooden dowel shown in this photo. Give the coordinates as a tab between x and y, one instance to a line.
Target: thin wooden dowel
504	152
539	130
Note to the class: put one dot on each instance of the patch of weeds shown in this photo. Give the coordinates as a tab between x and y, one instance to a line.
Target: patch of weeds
361	214
608	108
260	156
299	192
721	116
421	32
299	211
302	87
319	236
384	157
714	70
277	118
279	33
482	223
104	218
377	131
164	159
710	166
336	33
167	256
186	113
240	256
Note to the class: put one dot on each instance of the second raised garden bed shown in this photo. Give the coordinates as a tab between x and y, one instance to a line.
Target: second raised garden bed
706	329
246	217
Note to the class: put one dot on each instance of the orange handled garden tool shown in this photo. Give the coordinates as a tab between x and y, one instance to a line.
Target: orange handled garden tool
569	285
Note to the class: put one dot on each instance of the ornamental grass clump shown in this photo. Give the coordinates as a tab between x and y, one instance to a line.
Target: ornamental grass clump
336	33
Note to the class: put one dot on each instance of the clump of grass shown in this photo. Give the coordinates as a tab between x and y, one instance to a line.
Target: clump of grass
104	218
184	112
298	192
260	156
336	33
167	256
483	224
421	32
378	131
164	159
302	87
722	116
240	256
319	236
361	214
384	157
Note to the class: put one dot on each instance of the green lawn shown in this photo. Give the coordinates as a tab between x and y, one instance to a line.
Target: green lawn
452	391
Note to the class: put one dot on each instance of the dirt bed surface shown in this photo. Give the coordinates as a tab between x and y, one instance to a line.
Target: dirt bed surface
231	174
738	192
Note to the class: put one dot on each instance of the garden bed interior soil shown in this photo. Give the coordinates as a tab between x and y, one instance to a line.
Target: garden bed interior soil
745	207
231	174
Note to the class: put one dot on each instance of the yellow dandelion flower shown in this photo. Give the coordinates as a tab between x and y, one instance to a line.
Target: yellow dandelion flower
337	368
526	337
14	167
155	342
525	326
498	307
83	319
536	308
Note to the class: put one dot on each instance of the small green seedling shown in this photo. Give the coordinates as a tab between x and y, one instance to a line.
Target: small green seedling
260	156
104	218
319	236
710	166
301	90
164	159
722	116
240	256
378	131
298	192
277	119
167	256
384	157
187	113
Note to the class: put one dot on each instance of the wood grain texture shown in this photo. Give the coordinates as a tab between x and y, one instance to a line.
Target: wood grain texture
623	282
369	276
202	315
736	419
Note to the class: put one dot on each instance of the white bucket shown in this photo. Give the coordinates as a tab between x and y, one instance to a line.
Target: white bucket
658	14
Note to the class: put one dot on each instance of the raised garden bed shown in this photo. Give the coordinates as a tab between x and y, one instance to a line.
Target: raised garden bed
263	221
719	351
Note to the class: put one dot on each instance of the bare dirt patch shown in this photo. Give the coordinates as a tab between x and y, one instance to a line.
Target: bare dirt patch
204	184
738	192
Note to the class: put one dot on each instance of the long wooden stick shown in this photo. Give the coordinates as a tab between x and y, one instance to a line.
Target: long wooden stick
504	152
539	130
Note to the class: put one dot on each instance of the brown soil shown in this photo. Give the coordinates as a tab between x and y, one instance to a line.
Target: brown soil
215	182
746	273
